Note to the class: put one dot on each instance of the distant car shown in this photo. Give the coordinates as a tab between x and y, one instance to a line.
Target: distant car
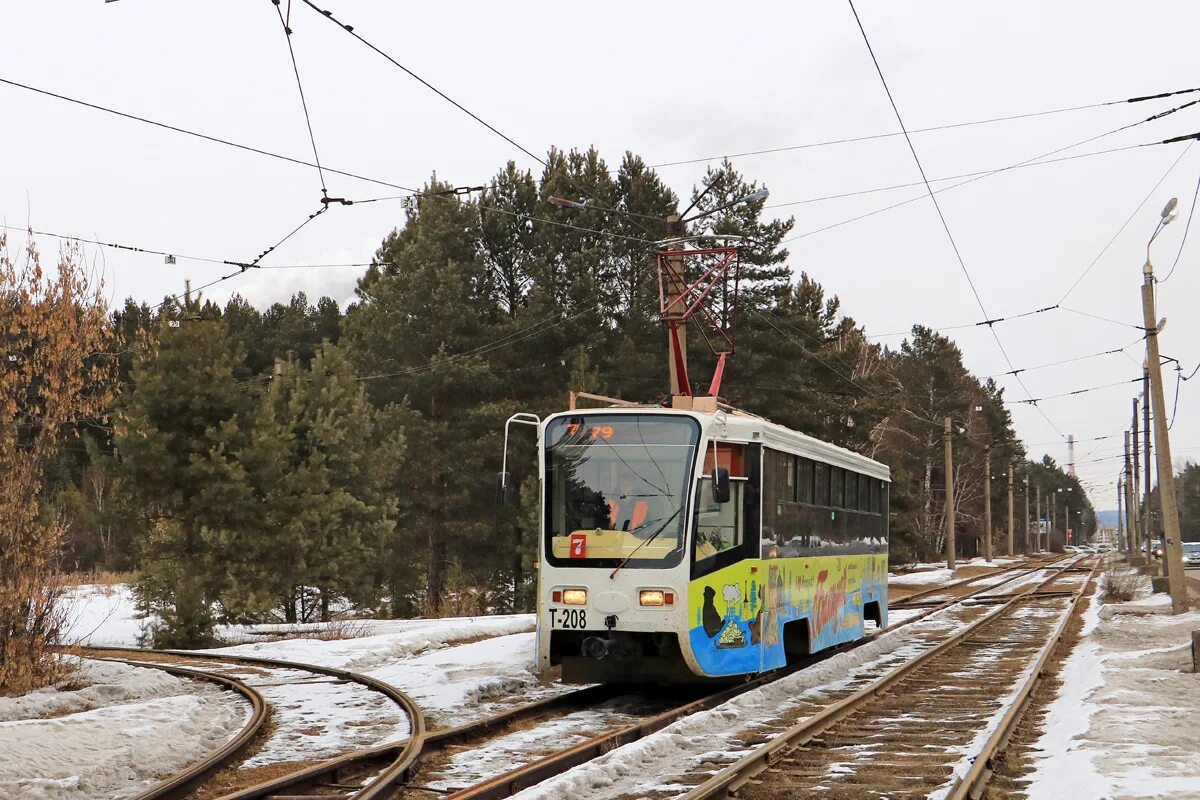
1191	553
1103	547
1070	548
1157	549
1085	548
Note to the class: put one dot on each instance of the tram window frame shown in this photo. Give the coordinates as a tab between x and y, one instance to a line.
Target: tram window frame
821	483
804	480
750	515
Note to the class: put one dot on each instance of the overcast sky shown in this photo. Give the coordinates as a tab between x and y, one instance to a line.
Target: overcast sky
670	82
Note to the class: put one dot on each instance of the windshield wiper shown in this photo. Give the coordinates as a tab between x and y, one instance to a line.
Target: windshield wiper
644	542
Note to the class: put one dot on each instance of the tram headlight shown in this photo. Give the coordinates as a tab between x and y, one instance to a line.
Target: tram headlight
656	597
575	597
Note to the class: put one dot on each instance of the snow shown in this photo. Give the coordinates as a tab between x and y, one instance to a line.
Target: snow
1123	722
101	615
316	717
500	755
107	615
385	641
451	684
917	578
123	730
319	717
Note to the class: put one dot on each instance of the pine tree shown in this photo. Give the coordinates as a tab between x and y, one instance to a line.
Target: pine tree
323	464
423	325
177	429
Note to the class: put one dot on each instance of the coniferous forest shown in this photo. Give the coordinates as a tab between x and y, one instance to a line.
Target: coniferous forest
291	462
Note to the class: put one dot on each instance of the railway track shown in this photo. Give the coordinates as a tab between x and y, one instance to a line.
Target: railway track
930	722
186	781
415	767
935	595
387	767
350	776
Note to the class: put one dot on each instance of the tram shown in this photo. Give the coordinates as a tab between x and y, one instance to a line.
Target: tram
697	541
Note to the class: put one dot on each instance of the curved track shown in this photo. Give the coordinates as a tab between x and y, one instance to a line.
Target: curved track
180	784
392	768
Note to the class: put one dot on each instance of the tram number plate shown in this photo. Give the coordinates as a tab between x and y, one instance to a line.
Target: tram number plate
568	618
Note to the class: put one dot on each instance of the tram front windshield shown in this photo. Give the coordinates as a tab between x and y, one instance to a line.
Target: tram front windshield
616	489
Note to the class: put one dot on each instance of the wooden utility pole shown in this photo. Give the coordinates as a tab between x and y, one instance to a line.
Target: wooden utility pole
1172	548
946	444
674	289
1146	484
987	503
1129	526
1010	511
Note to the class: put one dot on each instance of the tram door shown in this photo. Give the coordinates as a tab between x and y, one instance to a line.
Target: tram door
725	563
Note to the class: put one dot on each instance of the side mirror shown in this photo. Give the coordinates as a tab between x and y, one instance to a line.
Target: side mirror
720	485
503	489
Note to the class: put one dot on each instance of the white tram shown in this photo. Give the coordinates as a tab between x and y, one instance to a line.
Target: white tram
699	542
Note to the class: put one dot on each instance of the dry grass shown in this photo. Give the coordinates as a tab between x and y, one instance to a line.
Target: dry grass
96	577
1121	583
332	631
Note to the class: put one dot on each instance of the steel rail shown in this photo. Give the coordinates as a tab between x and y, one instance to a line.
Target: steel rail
404	759
184	782
327	772
971	784
510	782
907	599
727	781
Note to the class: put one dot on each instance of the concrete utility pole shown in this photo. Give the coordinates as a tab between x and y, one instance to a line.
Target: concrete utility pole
1146	484
987	503
1010	513
674	290
1172	549
1121	537
1129	526
1027	517
946	443
1137	494
1053	516
1039	519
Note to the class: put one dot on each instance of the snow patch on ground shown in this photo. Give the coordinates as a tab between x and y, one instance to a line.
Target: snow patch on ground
125	729
101	615
1124	722
385	641
452	684
942	575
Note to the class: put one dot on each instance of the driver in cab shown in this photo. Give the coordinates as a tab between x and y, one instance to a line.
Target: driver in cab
627	511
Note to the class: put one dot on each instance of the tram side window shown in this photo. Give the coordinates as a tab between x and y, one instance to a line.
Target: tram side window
804	480
851	491
719	526
837	487
821	497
